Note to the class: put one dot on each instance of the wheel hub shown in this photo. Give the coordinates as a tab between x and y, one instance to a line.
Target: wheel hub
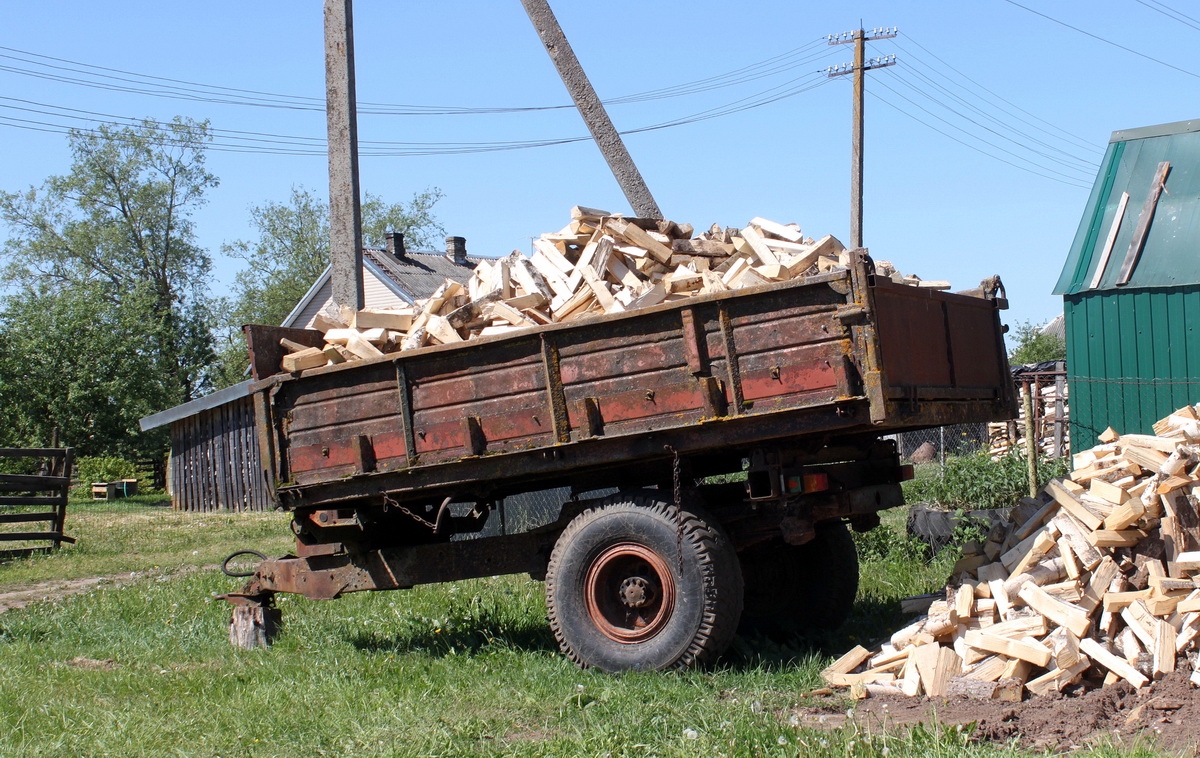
629	592
637	592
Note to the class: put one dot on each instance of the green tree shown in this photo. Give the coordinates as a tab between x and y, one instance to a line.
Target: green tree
292	250
107	317
1034	346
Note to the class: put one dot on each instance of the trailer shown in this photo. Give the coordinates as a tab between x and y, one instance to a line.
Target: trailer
712	452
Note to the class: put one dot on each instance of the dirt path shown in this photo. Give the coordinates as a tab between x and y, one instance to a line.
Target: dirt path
19	596
1166	712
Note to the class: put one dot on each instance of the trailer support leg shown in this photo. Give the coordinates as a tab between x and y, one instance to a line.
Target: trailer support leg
255	621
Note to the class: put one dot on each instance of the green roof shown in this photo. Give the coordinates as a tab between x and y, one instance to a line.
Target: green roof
1170	256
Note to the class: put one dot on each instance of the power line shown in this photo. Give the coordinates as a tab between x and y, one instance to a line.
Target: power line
228	140
757	100
738	76
1066	136
1172	14
1068	157
120	80
232	140
964	143
217	145
1105	41
1018	143
1064	178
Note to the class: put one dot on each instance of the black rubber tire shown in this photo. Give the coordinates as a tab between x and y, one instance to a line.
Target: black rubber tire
800	589
698	562
936	527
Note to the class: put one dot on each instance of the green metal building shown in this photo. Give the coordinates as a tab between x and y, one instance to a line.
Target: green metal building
1132	350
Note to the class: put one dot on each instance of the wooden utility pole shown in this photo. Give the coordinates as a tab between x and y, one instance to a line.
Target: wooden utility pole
345	212
859	68
601	126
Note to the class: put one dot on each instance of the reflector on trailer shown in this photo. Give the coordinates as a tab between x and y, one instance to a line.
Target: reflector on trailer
816	482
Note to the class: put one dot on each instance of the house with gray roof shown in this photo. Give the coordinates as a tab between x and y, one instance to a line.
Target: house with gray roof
391	277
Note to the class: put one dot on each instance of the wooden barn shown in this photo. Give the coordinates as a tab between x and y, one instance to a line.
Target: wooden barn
214	463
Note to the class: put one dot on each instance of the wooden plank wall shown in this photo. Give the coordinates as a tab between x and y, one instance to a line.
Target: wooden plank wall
215	463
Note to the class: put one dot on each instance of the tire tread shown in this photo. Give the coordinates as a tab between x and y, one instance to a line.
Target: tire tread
710	546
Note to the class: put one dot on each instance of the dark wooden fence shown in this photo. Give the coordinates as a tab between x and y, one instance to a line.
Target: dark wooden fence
215	463
30	499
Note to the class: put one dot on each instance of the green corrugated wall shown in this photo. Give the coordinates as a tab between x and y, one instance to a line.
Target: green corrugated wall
1132	354
1132	357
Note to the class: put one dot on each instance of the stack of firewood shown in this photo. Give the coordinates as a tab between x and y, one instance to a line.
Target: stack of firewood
597	264
1006	436
1094	581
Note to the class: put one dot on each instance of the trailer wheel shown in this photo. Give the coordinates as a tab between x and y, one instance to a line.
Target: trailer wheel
638	584
795	589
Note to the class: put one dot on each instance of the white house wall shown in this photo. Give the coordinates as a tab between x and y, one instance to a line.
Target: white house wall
376	294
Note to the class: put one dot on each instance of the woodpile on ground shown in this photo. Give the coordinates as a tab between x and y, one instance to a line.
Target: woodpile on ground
599	263
1093	582
1051	413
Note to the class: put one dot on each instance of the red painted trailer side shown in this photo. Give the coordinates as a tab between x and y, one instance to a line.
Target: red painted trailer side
835	354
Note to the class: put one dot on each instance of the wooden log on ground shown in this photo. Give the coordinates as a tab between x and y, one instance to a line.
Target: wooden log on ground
253	627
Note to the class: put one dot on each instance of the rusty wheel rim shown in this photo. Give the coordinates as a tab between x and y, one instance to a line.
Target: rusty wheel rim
629	592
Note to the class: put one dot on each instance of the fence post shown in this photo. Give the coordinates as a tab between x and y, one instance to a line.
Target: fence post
1060	389
1031	445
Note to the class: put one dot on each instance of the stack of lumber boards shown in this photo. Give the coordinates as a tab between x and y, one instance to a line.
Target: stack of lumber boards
599	263
1097	580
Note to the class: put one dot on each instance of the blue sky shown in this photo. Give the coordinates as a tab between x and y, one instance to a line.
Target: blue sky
994	83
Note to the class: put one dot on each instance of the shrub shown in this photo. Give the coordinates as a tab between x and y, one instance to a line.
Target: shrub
975	481
20	465
101	469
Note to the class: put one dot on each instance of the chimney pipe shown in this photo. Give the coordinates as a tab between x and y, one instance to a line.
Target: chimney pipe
456	249
395	244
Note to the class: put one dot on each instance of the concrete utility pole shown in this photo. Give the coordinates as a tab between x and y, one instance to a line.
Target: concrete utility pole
592	110
859	68
345	212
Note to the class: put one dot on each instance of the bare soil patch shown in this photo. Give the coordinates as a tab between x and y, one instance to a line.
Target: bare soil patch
108	664
22	595
1166	712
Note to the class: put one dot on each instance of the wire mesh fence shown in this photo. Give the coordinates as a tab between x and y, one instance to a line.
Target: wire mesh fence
934	444
1046	386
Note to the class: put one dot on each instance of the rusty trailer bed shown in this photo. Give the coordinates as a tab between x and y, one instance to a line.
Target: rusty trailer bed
838	354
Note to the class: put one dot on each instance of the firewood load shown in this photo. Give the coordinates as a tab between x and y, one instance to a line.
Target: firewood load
598	264
1093	582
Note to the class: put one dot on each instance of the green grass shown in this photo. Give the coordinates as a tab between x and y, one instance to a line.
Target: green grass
142	533
461	669
974	481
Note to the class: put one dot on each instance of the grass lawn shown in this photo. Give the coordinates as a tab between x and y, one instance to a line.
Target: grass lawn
461	669
142	533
